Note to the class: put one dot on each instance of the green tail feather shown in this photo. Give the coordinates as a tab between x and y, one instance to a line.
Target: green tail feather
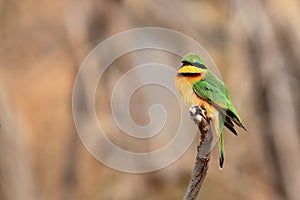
221	138
221	150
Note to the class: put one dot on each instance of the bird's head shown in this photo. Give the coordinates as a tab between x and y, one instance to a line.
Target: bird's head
192	64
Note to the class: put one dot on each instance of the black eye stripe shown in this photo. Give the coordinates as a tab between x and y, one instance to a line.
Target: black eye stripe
199	65
196	64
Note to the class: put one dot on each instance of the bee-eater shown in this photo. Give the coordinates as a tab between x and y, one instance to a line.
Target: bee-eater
200	87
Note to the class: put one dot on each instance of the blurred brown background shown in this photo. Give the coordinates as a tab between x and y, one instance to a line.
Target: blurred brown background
255	44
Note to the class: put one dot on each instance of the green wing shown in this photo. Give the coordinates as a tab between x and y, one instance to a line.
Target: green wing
215	91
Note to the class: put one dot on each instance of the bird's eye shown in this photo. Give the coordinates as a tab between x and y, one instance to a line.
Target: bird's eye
185	63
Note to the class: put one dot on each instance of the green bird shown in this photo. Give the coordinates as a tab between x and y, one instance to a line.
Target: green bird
200	87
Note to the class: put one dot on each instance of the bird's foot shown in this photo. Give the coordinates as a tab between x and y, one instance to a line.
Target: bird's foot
197	114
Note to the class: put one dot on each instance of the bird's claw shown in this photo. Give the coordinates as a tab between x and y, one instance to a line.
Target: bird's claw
197	114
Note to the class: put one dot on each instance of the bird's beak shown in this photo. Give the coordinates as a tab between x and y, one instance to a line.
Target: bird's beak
189	69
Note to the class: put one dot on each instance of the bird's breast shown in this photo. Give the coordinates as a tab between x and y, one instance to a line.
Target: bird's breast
185	89
184	86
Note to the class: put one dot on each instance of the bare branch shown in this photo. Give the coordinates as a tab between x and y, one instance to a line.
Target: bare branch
201	162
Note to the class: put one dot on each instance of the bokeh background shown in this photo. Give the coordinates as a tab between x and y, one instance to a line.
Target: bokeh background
255	44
